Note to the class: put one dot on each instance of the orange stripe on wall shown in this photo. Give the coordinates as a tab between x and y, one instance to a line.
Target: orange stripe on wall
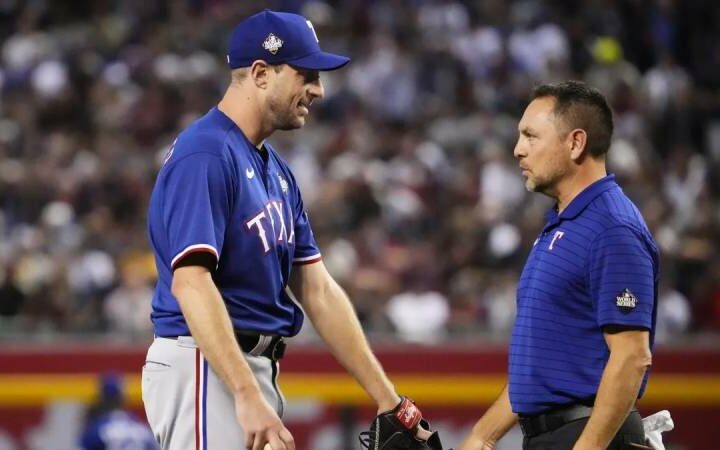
36	390
32	390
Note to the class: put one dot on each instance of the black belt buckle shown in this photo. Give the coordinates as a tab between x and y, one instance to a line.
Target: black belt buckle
277	349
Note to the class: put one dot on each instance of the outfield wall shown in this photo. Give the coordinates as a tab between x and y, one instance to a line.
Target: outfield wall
44	389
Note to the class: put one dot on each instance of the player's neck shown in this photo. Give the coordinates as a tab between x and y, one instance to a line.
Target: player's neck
243	109
571	186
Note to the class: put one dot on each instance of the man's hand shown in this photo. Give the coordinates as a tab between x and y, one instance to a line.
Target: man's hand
261	424
473	443
492	426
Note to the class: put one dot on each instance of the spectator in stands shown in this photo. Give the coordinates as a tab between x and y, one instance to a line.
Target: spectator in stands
408	153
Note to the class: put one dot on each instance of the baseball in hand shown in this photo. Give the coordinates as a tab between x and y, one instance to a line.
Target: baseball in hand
268	447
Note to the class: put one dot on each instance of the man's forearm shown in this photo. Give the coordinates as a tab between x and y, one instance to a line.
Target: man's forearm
492	426
335	320
616	395
211	328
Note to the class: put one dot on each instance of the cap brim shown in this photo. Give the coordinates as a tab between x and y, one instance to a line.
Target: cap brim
320	61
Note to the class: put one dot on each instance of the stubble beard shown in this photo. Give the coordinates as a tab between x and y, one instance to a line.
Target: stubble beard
283	117
533	185
544	185
287	123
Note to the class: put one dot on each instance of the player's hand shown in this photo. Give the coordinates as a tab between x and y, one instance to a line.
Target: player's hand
422	433
261	424
476	444
399	428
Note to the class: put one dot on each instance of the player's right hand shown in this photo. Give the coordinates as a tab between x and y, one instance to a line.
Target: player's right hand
261	424
470	444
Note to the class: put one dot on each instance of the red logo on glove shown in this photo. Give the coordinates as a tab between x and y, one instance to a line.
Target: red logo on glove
408	414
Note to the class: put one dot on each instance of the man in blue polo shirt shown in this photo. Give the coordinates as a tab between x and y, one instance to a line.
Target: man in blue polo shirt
586	300
234	251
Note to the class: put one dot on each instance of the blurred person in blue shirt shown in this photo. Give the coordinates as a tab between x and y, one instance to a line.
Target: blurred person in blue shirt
110	427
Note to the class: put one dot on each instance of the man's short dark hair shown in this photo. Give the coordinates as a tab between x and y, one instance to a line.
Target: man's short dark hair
584	107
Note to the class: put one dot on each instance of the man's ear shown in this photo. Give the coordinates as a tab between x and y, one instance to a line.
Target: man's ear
259	73
578	143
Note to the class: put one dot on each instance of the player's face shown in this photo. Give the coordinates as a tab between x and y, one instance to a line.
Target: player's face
540	149
294	90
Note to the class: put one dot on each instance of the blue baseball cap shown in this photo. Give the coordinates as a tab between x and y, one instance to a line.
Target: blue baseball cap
279	38
111	386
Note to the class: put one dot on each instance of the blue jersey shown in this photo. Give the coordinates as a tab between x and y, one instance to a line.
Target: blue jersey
217	193
117	430
593	265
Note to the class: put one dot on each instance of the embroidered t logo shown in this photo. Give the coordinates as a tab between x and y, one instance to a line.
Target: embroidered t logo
558	235
310	25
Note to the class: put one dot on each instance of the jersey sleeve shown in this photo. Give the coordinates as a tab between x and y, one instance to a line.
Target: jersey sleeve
306	249
622	278
197	205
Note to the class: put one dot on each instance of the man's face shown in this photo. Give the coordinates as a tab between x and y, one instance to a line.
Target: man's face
294	89
541	148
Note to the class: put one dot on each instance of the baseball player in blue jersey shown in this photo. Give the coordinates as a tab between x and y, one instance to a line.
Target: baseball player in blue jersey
234	251
586	299
110	427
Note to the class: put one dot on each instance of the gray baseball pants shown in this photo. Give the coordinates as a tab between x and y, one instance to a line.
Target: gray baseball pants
187	406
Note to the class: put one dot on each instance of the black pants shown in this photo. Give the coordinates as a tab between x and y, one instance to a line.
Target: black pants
630	436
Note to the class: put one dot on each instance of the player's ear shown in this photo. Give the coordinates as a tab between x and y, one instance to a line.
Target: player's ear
577	142
259	73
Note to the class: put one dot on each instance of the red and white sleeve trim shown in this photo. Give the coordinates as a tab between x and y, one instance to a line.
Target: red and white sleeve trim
307	260
194	249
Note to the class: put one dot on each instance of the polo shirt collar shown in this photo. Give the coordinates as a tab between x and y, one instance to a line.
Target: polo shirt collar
582	200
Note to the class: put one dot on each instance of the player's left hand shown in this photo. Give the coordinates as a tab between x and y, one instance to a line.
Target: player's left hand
422	433
401	428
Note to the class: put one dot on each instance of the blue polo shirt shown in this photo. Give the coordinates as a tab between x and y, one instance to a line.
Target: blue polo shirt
216	193
593	265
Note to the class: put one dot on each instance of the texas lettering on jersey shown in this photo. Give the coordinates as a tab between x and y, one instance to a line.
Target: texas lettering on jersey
259	223
218	193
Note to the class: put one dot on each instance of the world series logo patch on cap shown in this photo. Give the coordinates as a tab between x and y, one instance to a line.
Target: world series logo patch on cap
626	301
272	43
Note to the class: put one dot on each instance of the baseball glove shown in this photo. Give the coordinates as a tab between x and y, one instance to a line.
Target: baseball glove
395	430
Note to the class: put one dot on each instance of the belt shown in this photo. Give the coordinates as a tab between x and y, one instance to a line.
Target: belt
534	425
272	347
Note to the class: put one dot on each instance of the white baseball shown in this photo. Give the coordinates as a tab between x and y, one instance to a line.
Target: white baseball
268	447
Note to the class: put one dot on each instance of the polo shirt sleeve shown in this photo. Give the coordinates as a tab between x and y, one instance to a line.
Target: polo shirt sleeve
306	249
197	205
622	278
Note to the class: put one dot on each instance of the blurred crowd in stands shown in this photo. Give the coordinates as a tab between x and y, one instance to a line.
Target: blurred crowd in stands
406	165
